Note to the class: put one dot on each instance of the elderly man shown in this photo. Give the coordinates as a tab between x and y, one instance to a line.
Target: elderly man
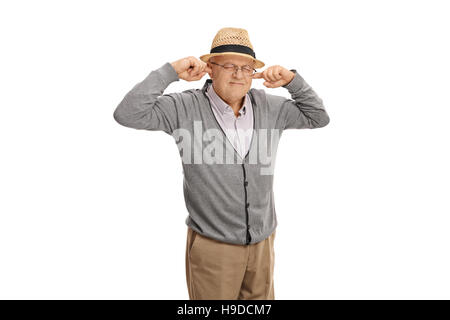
232	219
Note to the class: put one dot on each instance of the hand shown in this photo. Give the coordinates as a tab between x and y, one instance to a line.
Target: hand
190	68
275	76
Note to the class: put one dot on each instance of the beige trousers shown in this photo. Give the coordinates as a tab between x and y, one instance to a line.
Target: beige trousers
216	270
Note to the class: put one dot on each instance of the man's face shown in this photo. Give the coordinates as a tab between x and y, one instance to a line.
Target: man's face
231	87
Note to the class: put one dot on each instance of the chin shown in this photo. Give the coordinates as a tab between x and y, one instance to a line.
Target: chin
238	95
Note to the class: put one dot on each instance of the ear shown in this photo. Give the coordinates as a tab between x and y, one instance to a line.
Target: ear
209	65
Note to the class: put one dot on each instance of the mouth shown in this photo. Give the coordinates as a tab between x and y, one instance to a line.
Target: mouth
237	83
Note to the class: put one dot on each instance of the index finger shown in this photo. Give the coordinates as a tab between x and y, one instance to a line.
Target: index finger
257	75
195	66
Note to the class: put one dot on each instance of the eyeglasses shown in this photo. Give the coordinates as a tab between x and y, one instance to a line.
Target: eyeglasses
232	68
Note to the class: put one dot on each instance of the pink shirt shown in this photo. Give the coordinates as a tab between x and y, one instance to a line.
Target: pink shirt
238	129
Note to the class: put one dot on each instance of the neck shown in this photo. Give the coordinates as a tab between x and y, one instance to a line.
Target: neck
235	105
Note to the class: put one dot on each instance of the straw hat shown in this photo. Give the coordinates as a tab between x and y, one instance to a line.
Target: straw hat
232	41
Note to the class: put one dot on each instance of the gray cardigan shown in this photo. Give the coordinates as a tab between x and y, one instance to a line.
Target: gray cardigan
229	201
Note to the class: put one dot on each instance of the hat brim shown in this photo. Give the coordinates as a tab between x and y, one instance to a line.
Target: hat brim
258	63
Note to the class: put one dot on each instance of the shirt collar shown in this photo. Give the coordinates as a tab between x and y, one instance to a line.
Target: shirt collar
222	105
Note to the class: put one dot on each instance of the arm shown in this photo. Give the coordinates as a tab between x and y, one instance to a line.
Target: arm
304	110
145	106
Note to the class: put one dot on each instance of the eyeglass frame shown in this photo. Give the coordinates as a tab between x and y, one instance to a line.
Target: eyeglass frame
236	68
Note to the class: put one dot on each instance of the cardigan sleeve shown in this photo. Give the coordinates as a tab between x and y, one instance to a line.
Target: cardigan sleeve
304	110
146	107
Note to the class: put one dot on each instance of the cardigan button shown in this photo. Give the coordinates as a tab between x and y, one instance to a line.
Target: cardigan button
247	205
245	183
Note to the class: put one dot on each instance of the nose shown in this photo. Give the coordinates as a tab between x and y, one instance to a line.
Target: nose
238	74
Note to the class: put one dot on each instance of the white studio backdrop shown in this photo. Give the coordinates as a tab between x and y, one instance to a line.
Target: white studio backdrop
93	210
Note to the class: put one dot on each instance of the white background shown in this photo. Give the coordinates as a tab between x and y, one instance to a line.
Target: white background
93	210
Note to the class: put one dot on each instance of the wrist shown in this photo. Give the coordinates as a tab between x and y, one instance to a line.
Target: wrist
291	77
168	73
174	66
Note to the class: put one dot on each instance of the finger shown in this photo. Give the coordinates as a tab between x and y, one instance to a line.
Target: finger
285	72
208	69
202	66
275	84
258	75
191	61
195	71
264	74
271	75
197	68
205	68
194	66
201	75
198	77
277	73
